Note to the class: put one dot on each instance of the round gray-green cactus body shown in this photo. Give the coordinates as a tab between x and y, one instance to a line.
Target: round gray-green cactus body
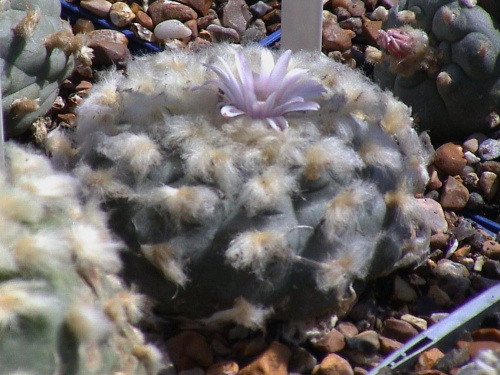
32	71
243	213
453	88
64	310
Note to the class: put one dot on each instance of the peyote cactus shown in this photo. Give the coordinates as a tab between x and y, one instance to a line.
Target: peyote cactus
36	49
443	60
280	201
63	309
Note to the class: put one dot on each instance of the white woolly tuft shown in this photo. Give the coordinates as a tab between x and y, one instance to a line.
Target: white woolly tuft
58	145
380	151
351	261
150	356
27	299
138	150
214	166
242	313
342	211
265	192
255	250
93	248
87	323
102	182
54	186
125	307
162	256
44	251
332	155
187	204
19	205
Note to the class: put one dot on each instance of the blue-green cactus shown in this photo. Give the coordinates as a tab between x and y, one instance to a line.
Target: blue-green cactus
240	199
36	55
63	308
452	83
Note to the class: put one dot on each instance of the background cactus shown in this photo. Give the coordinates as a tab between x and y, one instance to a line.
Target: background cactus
231	219
36	49
453	84
63	309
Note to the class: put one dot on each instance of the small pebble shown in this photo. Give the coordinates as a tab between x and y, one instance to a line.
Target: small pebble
398	330
273	361
403	291
171	29
450	159
120	14
418	323
453	358
365	342
428	359
489	149
455	195
333	364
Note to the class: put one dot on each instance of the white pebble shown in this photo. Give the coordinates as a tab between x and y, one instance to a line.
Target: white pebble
171	29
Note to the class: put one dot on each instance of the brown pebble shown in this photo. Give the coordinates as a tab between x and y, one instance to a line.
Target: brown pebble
399	330
439	241
190	345
356	8
200	6
473	348
144	20
427	359
461	252
403	291
100	8
488	334
454	195
489	182
439	296
109	53
370	30
388	345
340	3
273	361
334	37
348	329
434	215
106	35
332	342
159	12
68	118
333	364
83	25
491	249
120	14
450	159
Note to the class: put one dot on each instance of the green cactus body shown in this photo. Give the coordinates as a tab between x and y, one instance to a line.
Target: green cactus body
458	93
63	309
230	219
32	70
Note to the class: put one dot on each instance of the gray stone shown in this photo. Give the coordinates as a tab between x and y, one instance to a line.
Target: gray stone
489	149
259	9
236	15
